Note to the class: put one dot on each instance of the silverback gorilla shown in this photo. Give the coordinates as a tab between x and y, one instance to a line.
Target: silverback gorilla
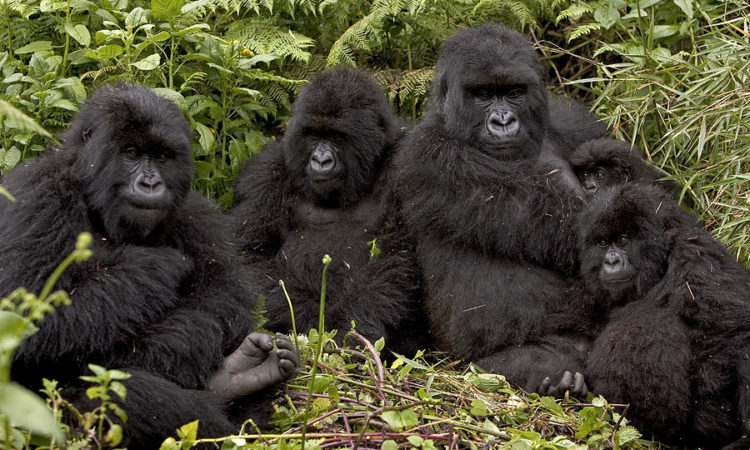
324	189
669	312
160	297
495	239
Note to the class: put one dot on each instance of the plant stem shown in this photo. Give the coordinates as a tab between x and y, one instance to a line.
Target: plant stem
319	346
171	56
291	311
63	66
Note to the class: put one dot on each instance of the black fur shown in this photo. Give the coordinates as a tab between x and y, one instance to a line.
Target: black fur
674	342
288	222
616	162
160	300
496	238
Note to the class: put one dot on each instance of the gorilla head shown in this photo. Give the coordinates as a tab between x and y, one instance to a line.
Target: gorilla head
602	163
335	141
489	91
132	159
625	237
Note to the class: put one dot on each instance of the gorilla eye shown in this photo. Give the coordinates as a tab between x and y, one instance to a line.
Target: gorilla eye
622	240
603	244
131	152
483	94
515	92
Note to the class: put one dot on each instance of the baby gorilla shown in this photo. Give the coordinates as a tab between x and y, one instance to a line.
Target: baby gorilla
602	163
324	189
159	298
669	314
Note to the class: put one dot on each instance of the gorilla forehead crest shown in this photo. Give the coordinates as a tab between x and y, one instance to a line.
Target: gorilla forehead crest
333	96
492	50
618	209
133	111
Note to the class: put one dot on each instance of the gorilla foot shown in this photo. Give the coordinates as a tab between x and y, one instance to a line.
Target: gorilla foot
574	384
254	366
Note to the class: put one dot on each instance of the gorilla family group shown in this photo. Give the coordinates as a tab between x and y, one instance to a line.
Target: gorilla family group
503	228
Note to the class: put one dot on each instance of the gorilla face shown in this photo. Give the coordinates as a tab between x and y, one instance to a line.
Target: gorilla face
597	177
491	94
133	159
625	242
334	144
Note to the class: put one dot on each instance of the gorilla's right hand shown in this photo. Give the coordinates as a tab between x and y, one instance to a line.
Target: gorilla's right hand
254	366
574	384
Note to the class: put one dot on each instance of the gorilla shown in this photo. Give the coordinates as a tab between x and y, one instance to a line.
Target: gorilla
324	188
160	297
495	235
601	163
668	309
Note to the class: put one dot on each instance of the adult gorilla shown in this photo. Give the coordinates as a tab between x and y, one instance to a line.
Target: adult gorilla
324	189
160	297
496	239
669	311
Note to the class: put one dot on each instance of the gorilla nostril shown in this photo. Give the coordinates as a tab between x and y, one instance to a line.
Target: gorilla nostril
322	162
506	118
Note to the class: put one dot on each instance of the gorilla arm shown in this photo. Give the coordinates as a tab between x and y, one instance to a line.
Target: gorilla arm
215	305
259	208
113	295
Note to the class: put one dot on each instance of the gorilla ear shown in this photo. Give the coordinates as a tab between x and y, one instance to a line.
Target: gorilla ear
627	175
85	134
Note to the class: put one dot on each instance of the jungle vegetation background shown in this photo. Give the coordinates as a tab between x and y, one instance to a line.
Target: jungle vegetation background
668	75
671	76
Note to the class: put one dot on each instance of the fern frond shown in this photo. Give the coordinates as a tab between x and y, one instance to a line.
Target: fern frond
583	30
574	12
263	37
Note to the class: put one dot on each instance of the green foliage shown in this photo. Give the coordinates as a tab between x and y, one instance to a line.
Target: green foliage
671	76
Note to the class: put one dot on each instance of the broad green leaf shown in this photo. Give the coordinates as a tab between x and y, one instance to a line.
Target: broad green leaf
166	9
118	388
193	28
686	6
52	6
148	63
206	139
607	15
11	158
389	444
171	95
189	431
551	405
416	441
401	420
626	434
26	410
16	119
246	63
80	33
113	436
136	17
203	169
12	328
105	52
36	46
170	444
487	382
478	408
64	103
662	31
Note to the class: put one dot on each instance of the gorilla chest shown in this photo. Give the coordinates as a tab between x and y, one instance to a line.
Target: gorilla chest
343	234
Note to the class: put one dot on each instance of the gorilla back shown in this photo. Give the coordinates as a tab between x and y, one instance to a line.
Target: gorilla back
495	238
158	298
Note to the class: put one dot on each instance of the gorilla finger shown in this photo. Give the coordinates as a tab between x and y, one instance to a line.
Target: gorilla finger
287	368
566	382
282	341
288	355
544	388
579	387
256	341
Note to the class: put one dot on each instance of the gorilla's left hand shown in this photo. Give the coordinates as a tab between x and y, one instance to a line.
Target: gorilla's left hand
574	384
254	366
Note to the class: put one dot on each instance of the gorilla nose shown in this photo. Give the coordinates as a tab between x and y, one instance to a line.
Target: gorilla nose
502	124
612	262
322	161
589	186
150	187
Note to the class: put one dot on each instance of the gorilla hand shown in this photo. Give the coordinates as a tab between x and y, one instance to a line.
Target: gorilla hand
254	366
570	383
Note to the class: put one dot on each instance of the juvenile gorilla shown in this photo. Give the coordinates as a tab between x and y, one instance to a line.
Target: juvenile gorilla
602	163
160	297
495	236
669	309
324	189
